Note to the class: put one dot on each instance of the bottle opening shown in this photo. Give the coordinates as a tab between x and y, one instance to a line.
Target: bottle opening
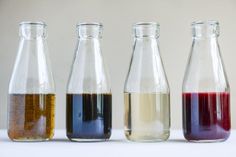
89	30
146	29
33	23
32	30
205	28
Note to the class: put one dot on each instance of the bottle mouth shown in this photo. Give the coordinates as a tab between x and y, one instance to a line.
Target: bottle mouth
147	24
41	23
89	29
146	29
205	29
209	23
32	30
96	24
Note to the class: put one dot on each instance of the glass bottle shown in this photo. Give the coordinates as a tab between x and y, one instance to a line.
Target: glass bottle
31	98
146	91
89	98
206	92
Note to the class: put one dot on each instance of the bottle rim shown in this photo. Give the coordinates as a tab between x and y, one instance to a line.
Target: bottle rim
207	22
89	24
146	24
33	23
146	29
208	28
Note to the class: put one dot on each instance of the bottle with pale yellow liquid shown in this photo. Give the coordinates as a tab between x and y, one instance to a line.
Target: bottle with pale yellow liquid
146	91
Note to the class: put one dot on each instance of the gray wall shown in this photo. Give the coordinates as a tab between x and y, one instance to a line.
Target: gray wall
117	16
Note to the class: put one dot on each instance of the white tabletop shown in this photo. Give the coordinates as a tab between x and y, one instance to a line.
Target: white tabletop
117	146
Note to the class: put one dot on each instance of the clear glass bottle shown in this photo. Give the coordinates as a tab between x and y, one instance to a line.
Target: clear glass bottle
89	99
206	91
146	91
31	98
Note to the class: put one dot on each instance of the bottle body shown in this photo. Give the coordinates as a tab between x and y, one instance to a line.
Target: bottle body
89	98
206	92
31	98
146	93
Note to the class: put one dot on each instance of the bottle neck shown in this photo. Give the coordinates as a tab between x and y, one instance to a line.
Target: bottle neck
32	72
146	45
146	37
205	46
149	29
205	38
146	53
33	38
146	73
89	30
89	50
207	29
88	73
32	31
90	44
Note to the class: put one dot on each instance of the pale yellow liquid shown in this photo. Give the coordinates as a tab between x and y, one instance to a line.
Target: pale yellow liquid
147	116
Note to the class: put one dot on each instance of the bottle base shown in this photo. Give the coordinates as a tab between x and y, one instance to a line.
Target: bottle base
94	138
142	137
21	137
207	138
87	140
207	141
30	139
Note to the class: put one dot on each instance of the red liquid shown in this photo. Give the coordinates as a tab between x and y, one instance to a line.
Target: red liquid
206	116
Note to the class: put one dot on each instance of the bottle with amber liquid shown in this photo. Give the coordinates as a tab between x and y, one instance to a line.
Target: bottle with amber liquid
89	99
31	97
146	91
206	91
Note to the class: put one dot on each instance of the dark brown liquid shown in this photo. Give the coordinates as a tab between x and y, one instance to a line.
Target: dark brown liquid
31	116
88	116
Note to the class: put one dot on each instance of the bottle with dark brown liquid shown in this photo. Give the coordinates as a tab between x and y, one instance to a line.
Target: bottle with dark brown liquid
89	99
31	98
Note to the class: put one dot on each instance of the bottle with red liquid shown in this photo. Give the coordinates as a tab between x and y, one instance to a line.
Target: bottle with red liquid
206	91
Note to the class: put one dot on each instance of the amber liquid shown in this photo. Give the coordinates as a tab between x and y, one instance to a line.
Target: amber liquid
31	117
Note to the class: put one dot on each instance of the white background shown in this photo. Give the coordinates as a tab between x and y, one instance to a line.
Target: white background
117	16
